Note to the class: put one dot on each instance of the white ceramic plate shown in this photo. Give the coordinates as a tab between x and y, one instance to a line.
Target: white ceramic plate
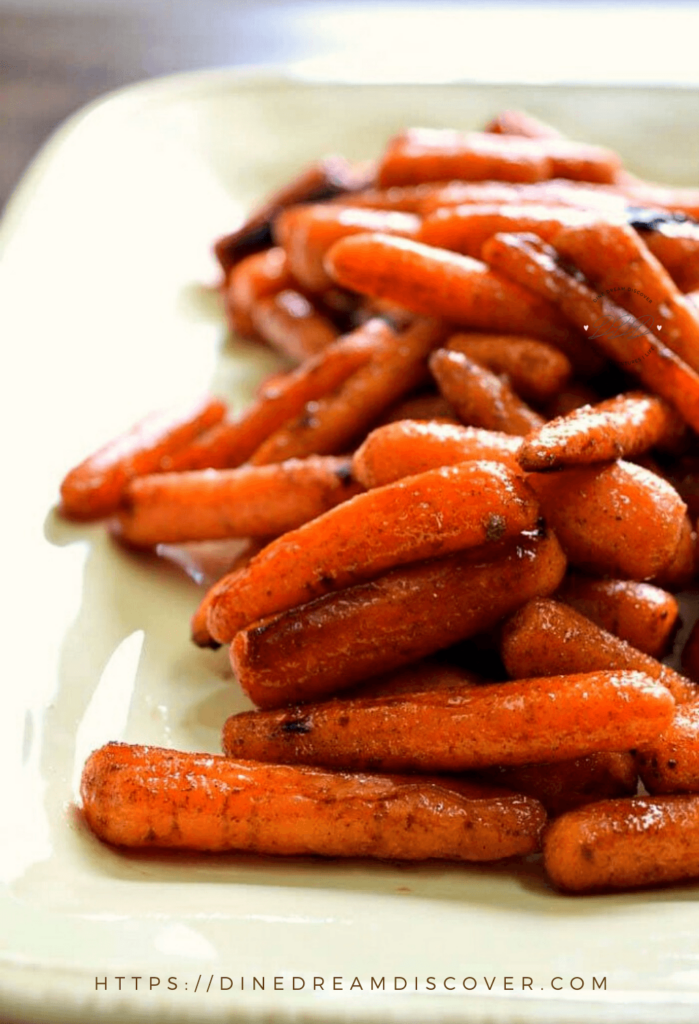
102	317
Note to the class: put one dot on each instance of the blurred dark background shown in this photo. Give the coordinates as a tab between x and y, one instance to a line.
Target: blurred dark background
57	55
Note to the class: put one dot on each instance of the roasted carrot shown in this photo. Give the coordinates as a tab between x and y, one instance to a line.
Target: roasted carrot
681	571
402	449
332	424
435	282
518	122
199	627
624	844
344	638
233	440
460	729
324	179
94	488
673	239
623	426
623	338
603	516
254	278
481	398
307	232
150	796
251	501
567	784
615	259
291	324
641	614
556	192
425	516
433	154
536	371
552	639
670	763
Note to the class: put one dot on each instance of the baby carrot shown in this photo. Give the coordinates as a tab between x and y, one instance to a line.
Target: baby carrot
518	122
344	638
670	763
622	337
332	424
536	371
251	501
199	627
307	232
256	277
291	324
513	723
624	844
623	426
603	516
552	639
435	282
94	488
425	516
681	571
641	614
481	398
405	448
568	784
153	797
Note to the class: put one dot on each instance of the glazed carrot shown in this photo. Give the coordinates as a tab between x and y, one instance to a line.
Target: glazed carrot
307	232
435	282
518	122
324	179
553	639
433	154
624	844
254	278
292	325
481	398
643	615
603	516
690	654
554	192
568	784
623	426
670	764
153	797
232	441
681	571
455	730
332	424
615	259
344	638
427	405
94	488
405	448
536	371
402	199
251	501
674	241
615	332
424	516
427	674
199	628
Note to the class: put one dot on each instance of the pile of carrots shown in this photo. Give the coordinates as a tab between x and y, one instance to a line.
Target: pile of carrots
467	511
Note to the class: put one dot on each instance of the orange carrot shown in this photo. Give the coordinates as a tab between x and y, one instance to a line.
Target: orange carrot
567	784
254	278
332	424
624	844
481	398
619	335
435	282
670	764
433	154
518	122
681	571
424	516
289	323
251	501
232	441
460	729
342	639
153	797
402	449
94	488
557	192
623	426
536	371
643	615
552	639
307	232
199	627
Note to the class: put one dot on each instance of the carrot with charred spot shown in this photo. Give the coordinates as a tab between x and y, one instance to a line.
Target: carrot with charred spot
536	371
